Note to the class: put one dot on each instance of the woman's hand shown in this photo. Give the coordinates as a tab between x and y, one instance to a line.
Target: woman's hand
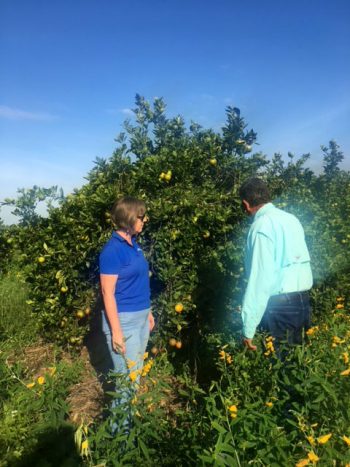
151	321
118	343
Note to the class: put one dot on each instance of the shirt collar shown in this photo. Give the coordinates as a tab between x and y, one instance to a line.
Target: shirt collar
121	239
263	210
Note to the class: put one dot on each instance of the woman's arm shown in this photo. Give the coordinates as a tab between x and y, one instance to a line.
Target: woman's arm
108	284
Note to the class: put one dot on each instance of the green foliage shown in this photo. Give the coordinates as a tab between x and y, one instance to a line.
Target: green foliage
194	240
17	323
27	201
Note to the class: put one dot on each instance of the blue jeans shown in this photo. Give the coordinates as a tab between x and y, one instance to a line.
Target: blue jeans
135	327
287	317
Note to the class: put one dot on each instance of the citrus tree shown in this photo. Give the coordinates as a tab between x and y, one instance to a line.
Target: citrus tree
188	177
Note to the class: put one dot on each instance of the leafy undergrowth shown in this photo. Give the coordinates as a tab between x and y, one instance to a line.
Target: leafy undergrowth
258	411
241	409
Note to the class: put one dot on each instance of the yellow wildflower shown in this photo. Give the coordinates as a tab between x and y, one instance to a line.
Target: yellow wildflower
324	439
131	364
229	359
233	411
133	375
85	444
145	355
311	440
41	380
345	372
340	299
346	357
84	448
302	463
268	404
269	339
222	354
346	439
30	385
339	306
313	457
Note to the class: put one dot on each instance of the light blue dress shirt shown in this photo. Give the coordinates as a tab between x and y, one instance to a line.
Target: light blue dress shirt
277	261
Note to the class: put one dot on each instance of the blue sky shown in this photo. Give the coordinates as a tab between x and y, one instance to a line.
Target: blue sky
70	70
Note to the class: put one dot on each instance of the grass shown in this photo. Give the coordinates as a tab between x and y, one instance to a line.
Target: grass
17	323
33	420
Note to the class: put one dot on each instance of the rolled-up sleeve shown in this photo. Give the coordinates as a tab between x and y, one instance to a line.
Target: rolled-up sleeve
261	277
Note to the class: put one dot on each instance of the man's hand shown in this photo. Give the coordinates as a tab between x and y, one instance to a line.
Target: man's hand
249	344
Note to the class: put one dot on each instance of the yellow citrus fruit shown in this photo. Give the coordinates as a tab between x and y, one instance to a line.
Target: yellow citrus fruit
41	259
178	344
87	311
167	176
172	342
213	161
154	350
179	308
64	289
80	314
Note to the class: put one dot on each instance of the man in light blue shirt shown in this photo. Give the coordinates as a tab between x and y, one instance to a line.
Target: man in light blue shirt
278	269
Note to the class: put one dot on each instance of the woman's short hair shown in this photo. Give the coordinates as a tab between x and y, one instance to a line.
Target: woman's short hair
255	191
125	212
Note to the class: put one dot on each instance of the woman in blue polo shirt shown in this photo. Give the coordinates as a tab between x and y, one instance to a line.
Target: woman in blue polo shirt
124	275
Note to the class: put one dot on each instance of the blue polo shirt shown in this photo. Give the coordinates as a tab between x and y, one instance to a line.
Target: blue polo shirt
129	264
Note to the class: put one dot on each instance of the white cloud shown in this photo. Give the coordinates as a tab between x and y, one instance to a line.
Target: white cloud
11	113
126	111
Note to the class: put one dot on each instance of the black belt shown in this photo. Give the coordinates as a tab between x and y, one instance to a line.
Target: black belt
291	297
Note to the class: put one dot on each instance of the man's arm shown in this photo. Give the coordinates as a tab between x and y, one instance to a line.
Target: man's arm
260	284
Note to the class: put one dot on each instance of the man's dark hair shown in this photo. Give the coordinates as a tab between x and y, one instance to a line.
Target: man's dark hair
255	191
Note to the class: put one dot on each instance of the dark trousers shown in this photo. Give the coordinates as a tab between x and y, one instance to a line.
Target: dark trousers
287	317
